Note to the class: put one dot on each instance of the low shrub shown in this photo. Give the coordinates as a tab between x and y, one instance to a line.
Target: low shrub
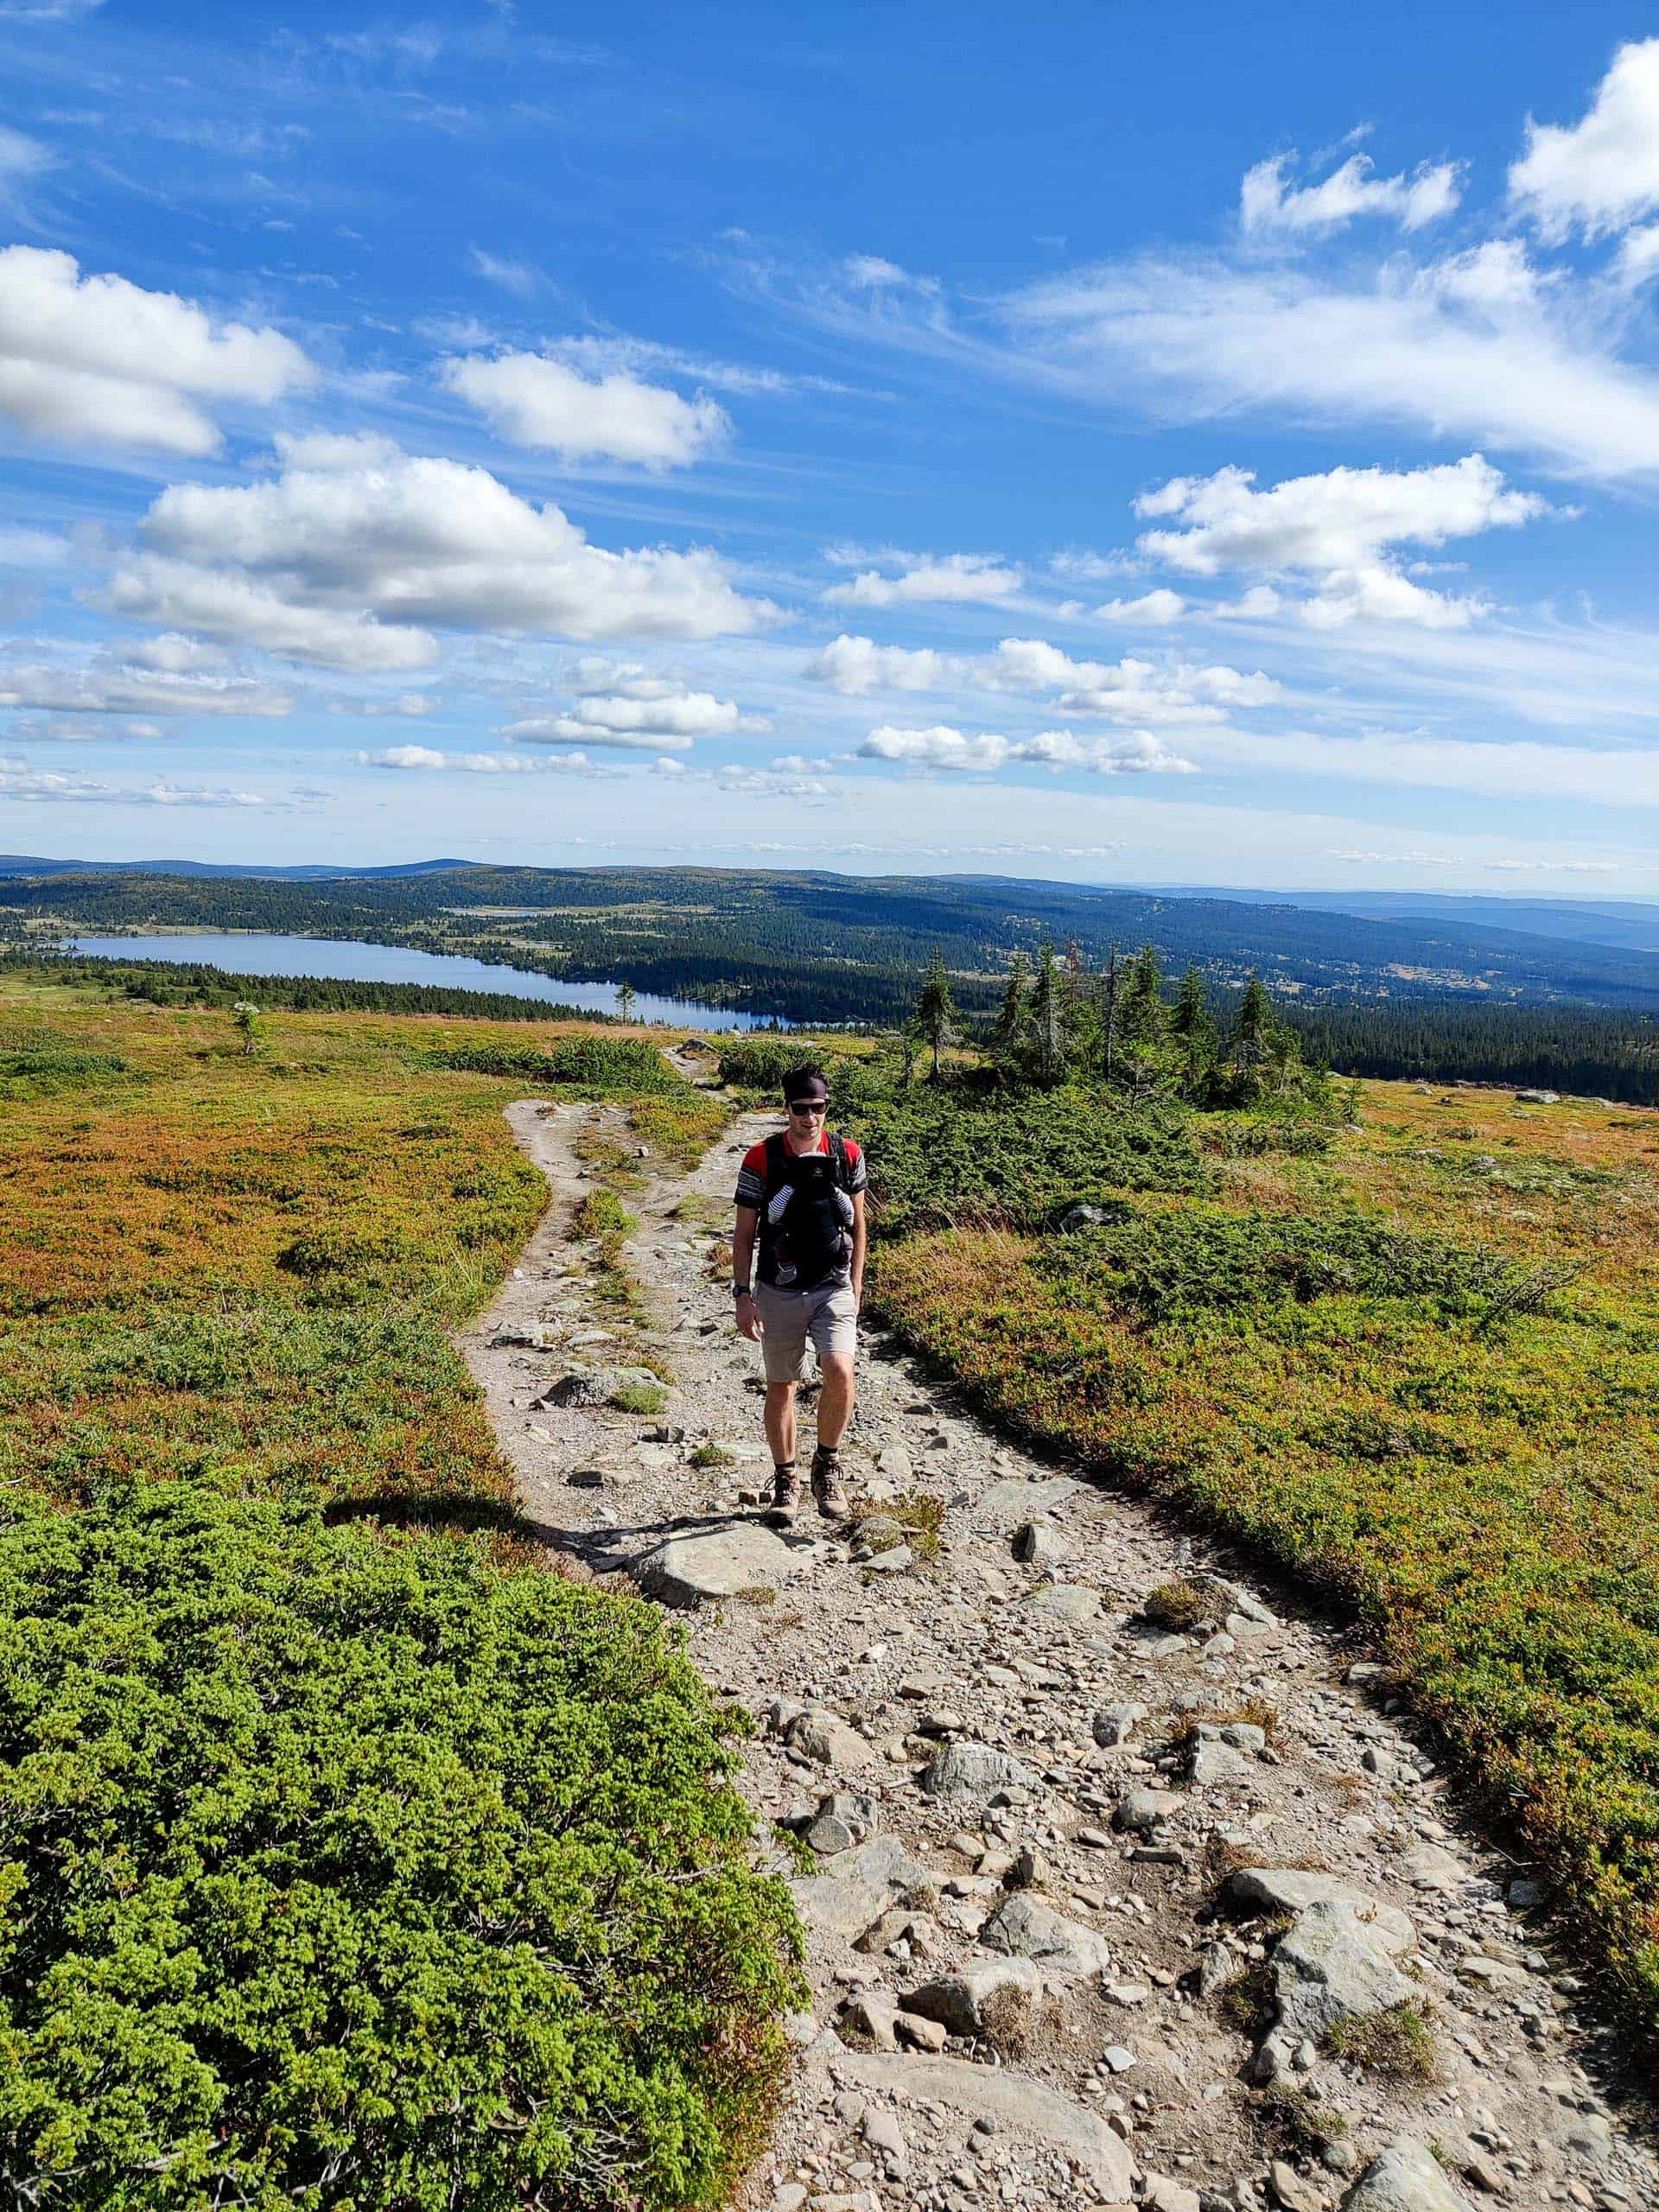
597	1066
945	1153
38	1062
1159	1265
339	1868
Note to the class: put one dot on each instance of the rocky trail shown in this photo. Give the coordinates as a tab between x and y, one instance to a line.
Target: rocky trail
1111	1898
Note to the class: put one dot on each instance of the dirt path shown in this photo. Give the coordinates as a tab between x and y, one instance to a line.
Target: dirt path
1109	1910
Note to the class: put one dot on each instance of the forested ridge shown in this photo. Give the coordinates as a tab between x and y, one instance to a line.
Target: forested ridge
1408	997
747	937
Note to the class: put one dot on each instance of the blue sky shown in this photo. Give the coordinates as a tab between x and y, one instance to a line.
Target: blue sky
1128	444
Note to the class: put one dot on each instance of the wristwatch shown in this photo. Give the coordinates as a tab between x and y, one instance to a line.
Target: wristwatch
741	1290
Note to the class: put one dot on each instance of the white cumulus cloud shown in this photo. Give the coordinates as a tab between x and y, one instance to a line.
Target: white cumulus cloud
96	359
1129	691
1157	607
975	578
107	686
857	666
354	566
943	746
424	758
1266	203
533	399
1342	525
1600	174
624	705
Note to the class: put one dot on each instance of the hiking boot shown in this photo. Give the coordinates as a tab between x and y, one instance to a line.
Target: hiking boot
786	1496
827	1487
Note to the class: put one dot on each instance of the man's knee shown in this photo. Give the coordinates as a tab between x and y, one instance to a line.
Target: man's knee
837	1367
779	1393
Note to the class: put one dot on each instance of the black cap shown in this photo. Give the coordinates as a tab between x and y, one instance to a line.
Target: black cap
803	1086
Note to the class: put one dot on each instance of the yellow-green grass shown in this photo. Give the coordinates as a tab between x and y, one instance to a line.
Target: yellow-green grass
244	1269
1482	1485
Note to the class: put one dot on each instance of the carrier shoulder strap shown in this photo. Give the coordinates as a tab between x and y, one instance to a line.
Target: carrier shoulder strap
838	1153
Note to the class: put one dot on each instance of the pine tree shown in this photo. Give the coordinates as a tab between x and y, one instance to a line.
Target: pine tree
625	998
1014	1015
1048	1016
1111	998
1254	1028
1142	1016
1193	1026
935	1019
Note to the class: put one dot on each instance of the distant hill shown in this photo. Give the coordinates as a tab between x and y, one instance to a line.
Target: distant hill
1633	924
312	872
813	946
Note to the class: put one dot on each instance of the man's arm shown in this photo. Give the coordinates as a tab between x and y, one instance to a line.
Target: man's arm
745	1222
859	1235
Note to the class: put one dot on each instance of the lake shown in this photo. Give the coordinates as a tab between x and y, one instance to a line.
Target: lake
267	954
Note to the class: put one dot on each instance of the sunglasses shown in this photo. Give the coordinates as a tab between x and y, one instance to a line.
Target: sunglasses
809	1106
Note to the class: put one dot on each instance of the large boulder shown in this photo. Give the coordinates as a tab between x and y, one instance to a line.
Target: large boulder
961	2000
1330	1967
974	1771
1024	1928
1405	2177
854	1888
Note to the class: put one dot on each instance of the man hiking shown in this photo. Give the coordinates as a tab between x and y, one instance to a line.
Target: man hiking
797	1272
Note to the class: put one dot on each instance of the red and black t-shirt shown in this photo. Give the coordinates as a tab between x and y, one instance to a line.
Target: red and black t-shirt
804	1200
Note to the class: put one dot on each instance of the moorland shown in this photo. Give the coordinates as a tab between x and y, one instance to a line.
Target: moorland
288	1687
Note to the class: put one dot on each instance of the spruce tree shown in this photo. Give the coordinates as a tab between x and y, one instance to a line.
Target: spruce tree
935	1019
1014	1015
1048	1016
1192	1025
1255	1027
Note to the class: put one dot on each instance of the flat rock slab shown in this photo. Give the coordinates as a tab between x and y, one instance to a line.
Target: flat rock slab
1026	2108
1292	1888
855	1888
717	1563
1005	1504
1407	2176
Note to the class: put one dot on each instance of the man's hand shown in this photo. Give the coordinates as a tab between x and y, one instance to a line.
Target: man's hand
748	1318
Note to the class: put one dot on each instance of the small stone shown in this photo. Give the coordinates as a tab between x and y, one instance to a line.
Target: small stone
1119	2057
921	2034
1163	2195
1030	1871
1143	1810
873	2014
829	1741
1114	1724
1289	2189
1039	1544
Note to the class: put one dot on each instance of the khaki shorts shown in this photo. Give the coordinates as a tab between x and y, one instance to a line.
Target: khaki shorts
828	1316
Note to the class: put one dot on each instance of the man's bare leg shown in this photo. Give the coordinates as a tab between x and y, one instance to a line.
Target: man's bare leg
835	1411
780	1422
835	1400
